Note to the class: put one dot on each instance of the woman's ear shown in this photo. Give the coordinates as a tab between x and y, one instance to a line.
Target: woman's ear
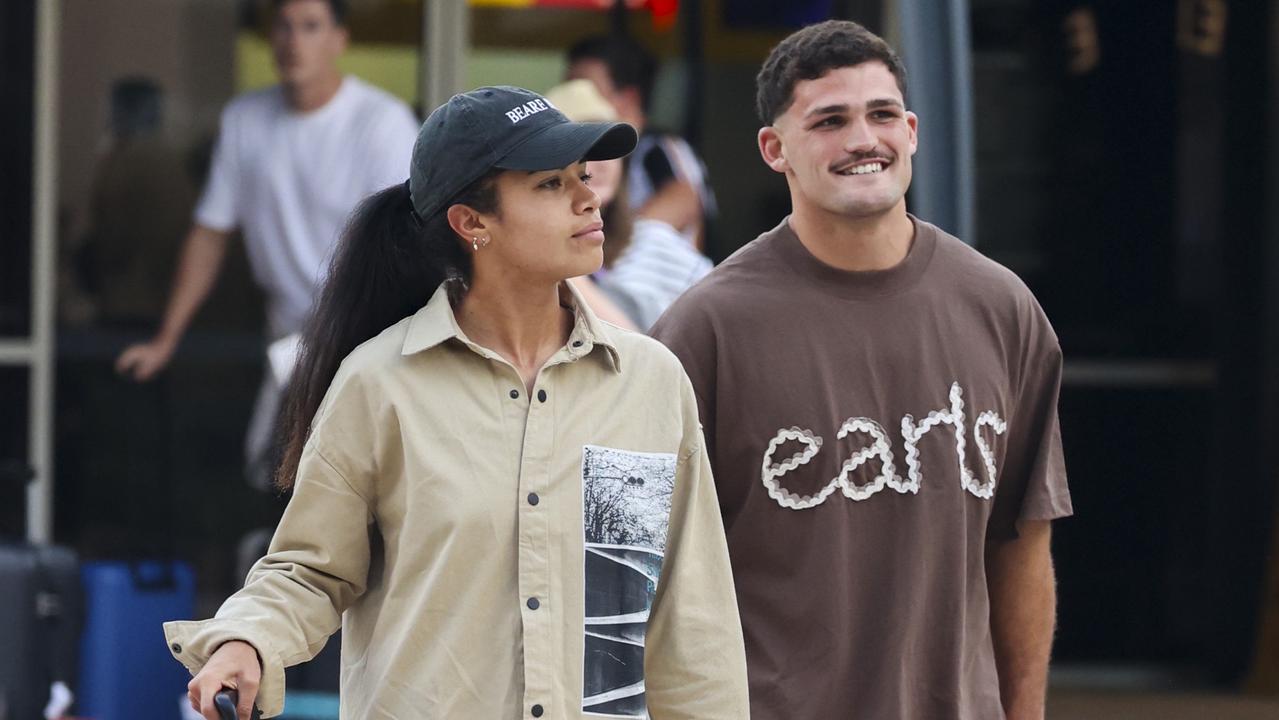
467	222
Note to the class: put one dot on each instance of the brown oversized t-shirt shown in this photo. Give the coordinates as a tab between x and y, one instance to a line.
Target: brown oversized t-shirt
869	431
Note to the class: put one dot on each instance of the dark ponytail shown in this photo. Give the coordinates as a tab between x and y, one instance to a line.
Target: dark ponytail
385	267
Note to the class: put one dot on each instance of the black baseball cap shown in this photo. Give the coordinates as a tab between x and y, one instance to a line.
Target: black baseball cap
502	127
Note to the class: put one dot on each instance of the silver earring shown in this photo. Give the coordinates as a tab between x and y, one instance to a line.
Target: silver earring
475	244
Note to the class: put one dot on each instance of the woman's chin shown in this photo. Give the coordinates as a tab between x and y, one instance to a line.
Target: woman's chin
588	260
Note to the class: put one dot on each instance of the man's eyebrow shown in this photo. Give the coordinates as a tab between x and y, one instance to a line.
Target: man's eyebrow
843	107
827	110
884	102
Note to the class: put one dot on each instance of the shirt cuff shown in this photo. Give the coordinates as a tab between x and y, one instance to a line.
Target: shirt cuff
192	642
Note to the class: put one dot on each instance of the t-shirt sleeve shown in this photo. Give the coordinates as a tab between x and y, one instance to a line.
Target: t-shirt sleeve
220	205
390	146
1032	485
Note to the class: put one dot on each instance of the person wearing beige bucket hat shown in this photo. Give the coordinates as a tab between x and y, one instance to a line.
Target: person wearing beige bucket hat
502	501
647	262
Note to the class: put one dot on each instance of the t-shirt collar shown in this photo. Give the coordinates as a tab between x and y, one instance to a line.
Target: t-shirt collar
436	323
859	283
345	88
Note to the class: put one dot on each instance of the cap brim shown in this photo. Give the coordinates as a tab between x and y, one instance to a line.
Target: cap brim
563	144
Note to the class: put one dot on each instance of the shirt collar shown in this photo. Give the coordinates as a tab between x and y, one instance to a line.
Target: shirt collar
436	323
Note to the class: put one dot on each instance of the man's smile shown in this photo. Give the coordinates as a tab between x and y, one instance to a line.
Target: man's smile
863	167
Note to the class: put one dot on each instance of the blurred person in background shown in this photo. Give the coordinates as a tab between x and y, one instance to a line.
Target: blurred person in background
291	163
664	170
647	263
880	404
501	500
113	284
140	200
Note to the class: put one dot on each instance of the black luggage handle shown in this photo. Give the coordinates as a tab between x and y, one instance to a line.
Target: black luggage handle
226	701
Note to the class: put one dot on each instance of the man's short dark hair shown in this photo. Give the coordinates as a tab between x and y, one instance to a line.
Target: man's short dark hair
811	53
629	63
136	106
338	8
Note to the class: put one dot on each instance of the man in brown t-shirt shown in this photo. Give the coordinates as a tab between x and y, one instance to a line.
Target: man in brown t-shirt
880	407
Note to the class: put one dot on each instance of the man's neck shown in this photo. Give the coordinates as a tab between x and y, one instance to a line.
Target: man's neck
521	321
877	242
307	97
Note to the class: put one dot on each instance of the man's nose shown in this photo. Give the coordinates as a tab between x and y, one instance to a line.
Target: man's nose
290	37
859	137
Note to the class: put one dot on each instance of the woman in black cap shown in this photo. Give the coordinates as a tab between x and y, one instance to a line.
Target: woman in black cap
504	502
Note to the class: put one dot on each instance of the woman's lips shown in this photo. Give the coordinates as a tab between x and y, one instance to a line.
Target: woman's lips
594	231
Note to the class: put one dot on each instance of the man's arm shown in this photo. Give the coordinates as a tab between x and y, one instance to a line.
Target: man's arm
675	203
1023	607
202	254
677	178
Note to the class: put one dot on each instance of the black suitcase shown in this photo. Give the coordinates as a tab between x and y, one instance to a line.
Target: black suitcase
40	606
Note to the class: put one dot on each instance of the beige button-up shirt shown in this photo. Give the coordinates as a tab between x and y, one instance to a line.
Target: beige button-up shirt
489	554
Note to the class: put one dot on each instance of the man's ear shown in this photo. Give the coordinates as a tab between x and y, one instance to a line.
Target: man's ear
341	39
770	148
912	121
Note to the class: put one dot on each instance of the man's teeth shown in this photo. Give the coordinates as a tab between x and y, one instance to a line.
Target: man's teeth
863	169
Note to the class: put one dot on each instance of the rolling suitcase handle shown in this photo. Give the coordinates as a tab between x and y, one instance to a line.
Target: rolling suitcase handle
226	700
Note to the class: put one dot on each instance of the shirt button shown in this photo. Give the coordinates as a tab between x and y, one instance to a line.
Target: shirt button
536	710
533	604
541	395
176	648
577	343
533	499
515	394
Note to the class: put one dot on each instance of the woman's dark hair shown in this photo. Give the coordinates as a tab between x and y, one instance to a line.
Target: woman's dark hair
385	267
811	53
619	224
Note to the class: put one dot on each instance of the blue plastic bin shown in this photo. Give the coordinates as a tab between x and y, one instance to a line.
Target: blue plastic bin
126	671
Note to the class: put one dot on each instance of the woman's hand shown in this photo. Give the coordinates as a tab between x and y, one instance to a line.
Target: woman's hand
233	665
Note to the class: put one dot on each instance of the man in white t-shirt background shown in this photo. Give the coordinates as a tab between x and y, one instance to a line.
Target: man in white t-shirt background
292	161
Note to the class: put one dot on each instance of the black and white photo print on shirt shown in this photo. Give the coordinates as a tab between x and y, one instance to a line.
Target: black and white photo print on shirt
626	505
